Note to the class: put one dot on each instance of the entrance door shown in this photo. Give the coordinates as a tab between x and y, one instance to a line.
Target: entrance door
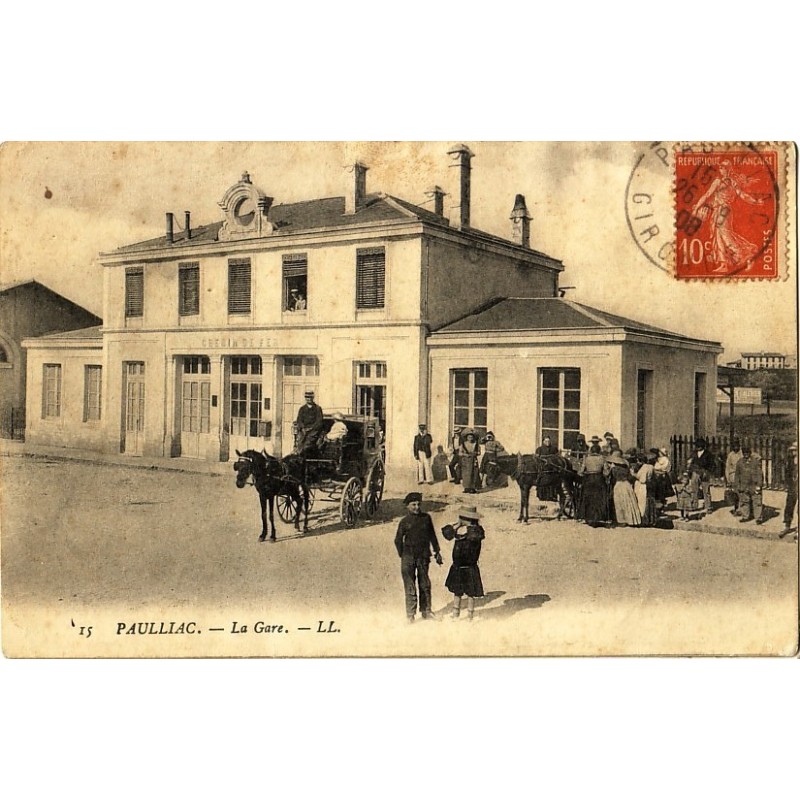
244	411
195	404
133	443
643	410
300	375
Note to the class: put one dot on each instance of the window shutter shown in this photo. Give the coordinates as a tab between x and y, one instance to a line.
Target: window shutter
239	286
189	280
134	293
295	265
370	278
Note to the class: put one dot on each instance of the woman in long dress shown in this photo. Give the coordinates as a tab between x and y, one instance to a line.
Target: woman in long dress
594	488
626	509
663	479
468	460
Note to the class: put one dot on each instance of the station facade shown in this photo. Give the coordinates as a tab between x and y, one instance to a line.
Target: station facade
211	336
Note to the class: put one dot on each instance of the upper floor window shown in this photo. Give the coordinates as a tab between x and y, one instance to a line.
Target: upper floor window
370	277
134	292
51	391
92	383
188	289
295	282
239	286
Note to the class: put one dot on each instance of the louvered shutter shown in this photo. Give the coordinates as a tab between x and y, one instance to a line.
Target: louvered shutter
134	293
239	286
370	277
189	281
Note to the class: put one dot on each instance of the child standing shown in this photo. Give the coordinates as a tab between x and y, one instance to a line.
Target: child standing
464	577
687	491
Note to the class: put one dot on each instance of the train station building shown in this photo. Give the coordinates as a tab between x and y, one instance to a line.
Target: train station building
212	335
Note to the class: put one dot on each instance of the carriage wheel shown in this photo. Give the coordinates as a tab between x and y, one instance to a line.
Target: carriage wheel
310	498
375	481
287	507
350	505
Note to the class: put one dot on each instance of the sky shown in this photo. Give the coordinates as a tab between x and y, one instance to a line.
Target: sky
61	204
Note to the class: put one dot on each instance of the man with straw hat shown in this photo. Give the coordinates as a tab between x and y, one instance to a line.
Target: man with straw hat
464	577
415	539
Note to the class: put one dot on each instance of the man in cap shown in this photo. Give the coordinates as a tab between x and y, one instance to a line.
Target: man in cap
702	463
611	445
749	480
734	457
308	424
415	539
454	466
423	442
791	492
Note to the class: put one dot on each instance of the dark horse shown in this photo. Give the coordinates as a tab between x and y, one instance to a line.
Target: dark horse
272	477
556	472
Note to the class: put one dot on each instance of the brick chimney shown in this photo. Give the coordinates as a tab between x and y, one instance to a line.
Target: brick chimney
437	193
355	200
521	222
188	224
170	228
462	155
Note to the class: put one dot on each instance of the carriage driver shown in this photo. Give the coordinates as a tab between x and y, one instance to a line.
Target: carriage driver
308	424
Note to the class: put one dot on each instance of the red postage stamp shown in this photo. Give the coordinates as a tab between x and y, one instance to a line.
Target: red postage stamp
726	213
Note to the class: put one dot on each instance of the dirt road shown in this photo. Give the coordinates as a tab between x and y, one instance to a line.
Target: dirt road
103	546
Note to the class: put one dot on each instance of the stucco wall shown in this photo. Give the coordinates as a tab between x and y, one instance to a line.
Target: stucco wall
673	376
69	429
513	411
458	277
331	288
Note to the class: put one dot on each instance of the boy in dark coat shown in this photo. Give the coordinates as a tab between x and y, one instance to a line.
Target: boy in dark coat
414	541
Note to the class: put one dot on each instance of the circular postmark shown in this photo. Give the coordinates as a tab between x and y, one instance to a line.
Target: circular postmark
706	211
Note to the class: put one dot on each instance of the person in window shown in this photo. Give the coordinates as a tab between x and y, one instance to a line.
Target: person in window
297	302
309	425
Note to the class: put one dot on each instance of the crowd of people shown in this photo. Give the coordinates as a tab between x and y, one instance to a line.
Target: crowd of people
631	488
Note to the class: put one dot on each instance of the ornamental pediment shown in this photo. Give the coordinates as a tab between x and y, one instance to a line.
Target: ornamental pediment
246	208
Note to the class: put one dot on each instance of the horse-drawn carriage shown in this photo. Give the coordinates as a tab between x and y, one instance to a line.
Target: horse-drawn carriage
350	472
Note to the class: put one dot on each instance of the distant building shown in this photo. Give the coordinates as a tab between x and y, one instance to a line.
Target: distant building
763	361
28	308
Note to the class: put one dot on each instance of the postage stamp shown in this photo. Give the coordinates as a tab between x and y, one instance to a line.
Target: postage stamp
726	212
712	210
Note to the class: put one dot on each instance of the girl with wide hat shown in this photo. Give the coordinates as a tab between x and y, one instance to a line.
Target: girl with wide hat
464	577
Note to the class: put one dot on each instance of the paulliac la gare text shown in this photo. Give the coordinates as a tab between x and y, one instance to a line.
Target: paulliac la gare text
158	628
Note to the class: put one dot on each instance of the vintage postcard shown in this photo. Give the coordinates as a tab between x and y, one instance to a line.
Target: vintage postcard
398	399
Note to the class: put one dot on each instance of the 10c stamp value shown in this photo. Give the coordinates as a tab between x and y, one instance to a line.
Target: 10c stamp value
726	208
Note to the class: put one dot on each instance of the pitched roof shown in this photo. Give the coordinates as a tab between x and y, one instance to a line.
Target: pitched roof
545	313
328	212
95	332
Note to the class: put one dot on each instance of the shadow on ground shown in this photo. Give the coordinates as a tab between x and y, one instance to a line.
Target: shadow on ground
509	607
325	519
